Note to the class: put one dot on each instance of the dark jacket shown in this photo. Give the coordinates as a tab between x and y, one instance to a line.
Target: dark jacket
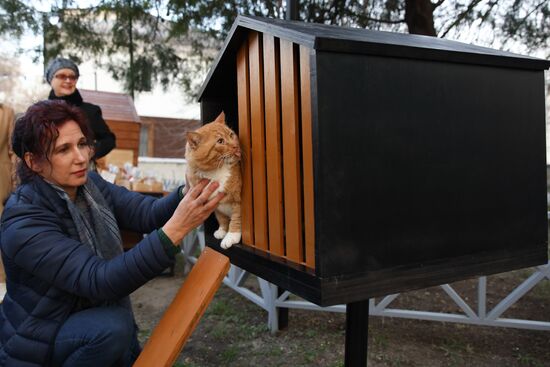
104	139
48	269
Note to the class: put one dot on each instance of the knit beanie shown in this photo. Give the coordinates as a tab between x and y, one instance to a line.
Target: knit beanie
57	64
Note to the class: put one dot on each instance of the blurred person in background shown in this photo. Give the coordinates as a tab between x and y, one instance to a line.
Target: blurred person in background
6	166
6	160
62	75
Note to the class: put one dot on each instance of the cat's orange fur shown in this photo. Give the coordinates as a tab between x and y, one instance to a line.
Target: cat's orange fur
213	152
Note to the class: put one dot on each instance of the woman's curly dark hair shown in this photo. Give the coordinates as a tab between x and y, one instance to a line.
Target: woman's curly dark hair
37	130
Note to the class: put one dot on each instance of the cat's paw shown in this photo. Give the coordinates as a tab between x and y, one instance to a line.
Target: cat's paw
220	233
230	239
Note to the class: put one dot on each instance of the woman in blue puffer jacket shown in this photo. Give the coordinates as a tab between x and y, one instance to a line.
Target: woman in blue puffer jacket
68	279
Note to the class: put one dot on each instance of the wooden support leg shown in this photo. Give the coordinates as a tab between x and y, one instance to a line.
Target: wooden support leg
357	329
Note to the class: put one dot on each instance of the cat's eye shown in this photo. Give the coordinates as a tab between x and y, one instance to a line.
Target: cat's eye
220	141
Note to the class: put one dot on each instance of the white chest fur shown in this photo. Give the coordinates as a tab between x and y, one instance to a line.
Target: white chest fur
220	176
226	209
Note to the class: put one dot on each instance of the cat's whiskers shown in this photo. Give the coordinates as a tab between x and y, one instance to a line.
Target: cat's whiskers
222	160
226	158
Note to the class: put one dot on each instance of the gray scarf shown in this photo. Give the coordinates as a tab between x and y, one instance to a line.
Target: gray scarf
94	221
97	228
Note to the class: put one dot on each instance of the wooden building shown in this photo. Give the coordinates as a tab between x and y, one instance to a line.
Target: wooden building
380	162
120	114
166	136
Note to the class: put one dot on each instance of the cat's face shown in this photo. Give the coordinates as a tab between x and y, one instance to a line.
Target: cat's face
213	145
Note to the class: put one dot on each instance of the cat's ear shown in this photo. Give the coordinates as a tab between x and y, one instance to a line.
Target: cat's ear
193	138
221	118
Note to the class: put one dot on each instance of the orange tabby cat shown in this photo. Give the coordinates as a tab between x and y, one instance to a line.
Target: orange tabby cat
213	152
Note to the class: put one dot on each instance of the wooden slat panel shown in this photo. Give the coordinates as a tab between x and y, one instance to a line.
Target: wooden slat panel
291	152
307	157
123	125
243	91
273	146
125	134
127	143
257	130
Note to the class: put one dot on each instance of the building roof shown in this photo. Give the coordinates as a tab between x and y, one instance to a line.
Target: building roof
114	106
329	38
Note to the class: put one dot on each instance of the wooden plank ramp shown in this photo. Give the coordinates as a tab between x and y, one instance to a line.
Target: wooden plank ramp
183	314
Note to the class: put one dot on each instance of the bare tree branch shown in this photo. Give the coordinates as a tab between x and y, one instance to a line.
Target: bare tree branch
485	15
461	17
438	4
524	19
378	20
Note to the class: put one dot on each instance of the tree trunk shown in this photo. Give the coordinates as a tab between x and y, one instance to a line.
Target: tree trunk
131	48
419	15
292	12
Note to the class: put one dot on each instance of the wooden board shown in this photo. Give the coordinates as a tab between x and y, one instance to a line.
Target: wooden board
127	136
257	129
182	316
291	152
307	157
273	146
243	87
118	157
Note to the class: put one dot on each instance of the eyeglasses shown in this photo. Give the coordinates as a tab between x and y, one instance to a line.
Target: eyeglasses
70	77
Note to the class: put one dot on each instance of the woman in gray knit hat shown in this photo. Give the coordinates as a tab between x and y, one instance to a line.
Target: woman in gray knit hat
62	75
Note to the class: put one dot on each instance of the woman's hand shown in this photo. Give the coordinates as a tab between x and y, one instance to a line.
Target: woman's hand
192	210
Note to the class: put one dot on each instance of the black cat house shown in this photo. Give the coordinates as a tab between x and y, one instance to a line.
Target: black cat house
377	162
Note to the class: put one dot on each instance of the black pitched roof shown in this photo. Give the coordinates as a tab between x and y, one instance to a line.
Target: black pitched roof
322	37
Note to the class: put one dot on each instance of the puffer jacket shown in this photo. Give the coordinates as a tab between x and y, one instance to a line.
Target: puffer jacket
49	270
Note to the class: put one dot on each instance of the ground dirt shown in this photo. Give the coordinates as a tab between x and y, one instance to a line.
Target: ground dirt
233	331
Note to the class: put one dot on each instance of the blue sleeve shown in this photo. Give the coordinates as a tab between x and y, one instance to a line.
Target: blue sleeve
33	238
135	211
